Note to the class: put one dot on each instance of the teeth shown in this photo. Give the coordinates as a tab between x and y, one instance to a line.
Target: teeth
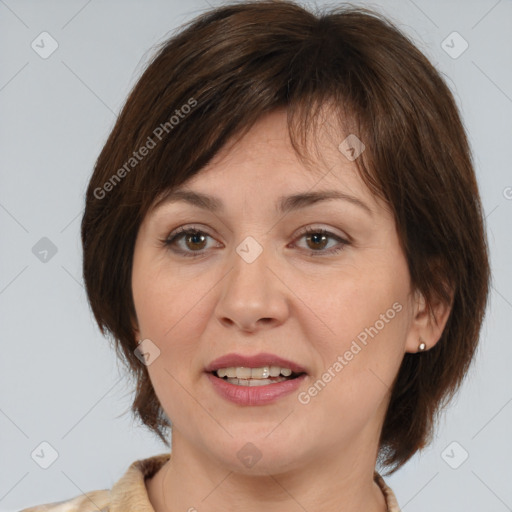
255	382
245	373
221	372
275	371
260	373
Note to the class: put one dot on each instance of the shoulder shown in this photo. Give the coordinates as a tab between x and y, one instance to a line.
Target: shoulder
128	494
94	501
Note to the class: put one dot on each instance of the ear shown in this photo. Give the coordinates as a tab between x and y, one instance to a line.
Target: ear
427	326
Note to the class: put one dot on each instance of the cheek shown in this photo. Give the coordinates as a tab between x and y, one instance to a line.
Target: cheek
367	317
359	365
171	310
172	320
165	300
168	317
364	303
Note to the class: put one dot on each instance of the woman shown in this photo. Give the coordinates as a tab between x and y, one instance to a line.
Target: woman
283	234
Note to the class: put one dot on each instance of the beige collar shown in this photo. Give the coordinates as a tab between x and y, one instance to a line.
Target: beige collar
129	493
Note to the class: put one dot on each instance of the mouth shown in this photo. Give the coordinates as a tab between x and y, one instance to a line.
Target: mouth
256	370
260	376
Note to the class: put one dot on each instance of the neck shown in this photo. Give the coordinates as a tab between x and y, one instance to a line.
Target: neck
191	481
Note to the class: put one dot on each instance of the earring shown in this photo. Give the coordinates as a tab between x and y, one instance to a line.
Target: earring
422	346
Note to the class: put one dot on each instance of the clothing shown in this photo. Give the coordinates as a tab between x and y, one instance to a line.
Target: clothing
129	494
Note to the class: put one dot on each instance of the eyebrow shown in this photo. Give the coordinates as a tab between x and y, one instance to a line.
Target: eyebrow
284	204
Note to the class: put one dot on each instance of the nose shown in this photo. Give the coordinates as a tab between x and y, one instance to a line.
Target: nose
253	295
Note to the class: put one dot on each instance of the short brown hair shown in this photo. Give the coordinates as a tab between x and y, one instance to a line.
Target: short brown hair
213	80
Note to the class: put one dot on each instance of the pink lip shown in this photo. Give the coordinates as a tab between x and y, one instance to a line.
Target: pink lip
256	361
254	395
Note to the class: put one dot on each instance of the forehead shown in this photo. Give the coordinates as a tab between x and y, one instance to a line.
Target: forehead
264	161
269	138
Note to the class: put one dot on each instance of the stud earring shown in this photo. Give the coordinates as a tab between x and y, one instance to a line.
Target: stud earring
422	346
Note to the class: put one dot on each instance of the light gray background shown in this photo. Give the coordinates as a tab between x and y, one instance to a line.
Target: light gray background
59	380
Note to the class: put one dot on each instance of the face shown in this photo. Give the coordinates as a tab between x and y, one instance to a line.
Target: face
321	288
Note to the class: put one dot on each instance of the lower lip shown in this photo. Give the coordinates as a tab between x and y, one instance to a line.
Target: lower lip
254	395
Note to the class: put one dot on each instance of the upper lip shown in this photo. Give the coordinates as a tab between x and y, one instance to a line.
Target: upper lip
256	361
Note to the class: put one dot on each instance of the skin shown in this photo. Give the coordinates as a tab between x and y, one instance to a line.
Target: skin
307	308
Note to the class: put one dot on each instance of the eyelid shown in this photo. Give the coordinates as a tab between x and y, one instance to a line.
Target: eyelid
185	229
299	232
319	228
344	239
311	229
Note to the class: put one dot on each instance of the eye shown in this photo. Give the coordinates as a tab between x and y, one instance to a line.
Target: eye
194	238
195	241
318	239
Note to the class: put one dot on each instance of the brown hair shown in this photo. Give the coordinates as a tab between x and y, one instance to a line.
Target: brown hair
211	81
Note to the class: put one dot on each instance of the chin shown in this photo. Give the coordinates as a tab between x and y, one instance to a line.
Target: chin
258	456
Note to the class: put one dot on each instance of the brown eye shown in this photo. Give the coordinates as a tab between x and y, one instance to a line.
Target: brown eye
192	242
196	240
187	241
317	240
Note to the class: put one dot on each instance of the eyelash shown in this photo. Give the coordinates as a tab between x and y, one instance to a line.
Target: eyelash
182	231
